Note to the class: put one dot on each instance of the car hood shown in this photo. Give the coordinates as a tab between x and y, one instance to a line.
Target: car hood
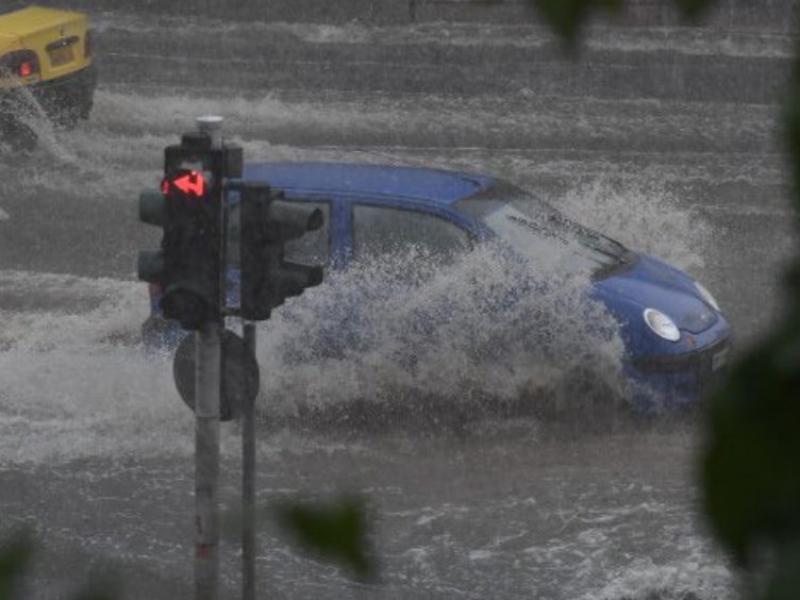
651	283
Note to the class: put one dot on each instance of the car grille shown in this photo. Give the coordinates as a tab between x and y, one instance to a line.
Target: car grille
703	362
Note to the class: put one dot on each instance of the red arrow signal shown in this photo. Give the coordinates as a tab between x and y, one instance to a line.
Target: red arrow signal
189	182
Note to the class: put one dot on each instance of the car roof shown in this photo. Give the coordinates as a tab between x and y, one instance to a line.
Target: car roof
373	181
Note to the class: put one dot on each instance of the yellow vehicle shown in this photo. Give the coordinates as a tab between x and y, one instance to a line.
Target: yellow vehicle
46	57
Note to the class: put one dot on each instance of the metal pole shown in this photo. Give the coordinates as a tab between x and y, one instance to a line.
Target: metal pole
208	382
206	465
249	483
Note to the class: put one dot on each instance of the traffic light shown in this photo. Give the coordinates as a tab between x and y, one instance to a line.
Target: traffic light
267	223
189	208
153	211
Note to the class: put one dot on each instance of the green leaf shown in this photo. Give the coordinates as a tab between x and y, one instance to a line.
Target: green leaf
96	594
100	588
336	532
567	16
785	581
15	557
693	9
750	469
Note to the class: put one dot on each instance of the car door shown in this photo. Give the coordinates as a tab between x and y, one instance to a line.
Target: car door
374	230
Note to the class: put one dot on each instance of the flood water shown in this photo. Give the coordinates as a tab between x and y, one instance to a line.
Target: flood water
662	136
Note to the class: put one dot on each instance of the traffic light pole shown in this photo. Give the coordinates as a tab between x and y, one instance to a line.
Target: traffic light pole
207	388
249	482
208	382
191	270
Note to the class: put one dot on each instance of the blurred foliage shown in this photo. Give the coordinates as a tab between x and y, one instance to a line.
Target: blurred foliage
567	16
102	589
336	532
15	556
751	466
751	469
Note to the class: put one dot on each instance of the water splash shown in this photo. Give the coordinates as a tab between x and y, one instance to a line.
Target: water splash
470	336
34	128
644	216
72	384
400	337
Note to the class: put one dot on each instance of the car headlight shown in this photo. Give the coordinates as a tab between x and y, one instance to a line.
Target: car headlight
661	325
706	295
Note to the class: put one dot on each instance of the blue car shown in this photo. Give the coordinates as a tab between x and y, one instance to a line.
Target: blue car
676	340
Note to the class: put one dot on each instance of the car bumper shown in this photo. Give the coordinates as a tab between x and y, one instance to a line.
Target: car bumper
680	381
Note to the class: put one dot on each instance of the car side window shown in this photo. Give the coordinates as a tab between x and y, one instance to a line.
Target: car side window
379	230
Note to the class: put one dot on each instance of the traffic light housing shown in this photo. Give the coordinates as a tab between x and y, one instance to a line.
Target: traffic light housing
189	208
153	211
267	223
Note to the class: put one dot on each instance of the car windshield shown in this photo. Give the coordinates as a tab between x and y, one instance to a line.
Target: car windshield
540	232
